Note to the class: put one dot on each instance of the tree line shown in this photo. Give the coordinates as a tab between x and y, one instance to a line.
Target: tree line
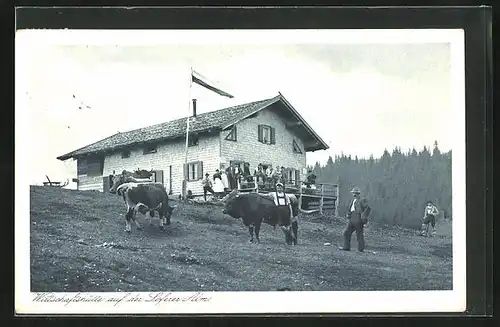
397	185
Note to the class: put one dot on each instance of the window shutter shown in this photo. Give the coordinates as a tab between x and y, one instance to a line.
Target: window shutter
260	133
297	177
231	136
273	136
185	168
200	169
296	147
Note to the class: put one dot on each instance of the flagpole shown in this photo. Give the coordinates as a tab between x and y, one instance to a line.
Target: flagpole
184	186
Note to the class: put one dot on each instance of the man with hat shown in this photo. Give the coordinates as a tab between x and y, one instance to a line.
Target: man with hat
358	212
207	186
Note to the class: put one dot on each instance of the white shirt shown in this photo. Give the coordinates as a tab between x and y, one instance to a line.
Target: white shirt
352	206
431	210
224	180
283	199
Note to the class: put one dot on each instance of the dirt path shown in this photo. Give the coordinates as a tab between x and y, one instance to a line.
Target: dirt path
78	243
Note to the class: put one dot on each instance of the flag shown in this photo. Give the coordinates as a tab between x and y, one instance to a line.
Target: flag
200	80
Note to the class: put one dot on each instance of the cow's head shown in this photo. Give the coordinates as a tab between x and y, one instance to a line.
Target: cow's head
232	205
117	181
122	189
229	196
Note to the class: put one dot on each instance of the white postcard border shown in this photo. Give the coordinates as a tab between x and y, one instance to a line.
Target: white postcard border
242	302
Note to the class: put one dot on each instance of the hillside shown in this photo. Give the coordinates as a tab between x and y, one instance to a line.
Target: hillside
78	243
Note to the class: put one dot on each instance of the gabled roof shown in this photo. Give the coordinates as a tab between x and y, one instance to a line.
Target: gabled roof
214	120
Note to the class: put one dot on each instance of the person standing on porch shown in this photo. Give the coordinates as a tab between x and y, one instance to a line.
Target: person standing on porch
218	185
269	177
277	177
259	173
230	178
237	172
225	180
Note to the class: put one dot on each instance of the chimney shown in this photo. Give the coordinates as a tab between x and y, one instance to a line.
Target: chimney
194	107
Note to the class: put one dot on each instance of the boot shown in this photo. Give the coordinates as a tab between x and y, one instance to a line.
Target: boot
423	230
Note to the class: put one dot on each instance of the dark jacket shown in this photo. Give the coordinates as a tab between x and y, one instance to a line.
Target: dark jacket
361	211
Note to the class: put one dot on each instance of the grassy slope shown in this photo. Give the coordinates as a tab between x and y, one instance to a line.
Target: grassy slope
204	250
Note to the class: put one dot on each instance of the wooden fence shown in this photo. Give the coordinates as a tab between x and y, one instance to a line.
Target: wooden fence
324	197
319	198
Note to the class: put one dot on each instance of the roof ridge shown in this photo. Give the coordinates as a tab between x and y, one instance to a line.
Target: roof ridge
157	128
199	115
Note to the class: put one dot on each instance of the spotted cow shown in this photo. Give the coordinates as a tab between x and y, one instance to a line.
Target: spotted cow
143	197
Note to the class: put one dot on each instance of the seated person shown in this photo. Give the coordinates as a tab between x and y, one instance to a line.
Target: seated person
310	179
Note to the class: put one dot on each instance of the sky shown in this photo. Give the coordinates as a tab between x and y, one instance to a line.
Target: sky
361	98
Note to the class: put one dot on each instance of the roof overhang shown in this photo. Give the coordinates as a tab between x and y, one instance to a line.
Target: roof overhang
75	154
319	143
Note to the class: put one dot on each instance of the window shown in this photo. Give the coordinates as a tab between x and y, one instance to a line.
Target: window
150	149
193	171
293	176
193	140
91	166
296	147
266	134
232	135
125	153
